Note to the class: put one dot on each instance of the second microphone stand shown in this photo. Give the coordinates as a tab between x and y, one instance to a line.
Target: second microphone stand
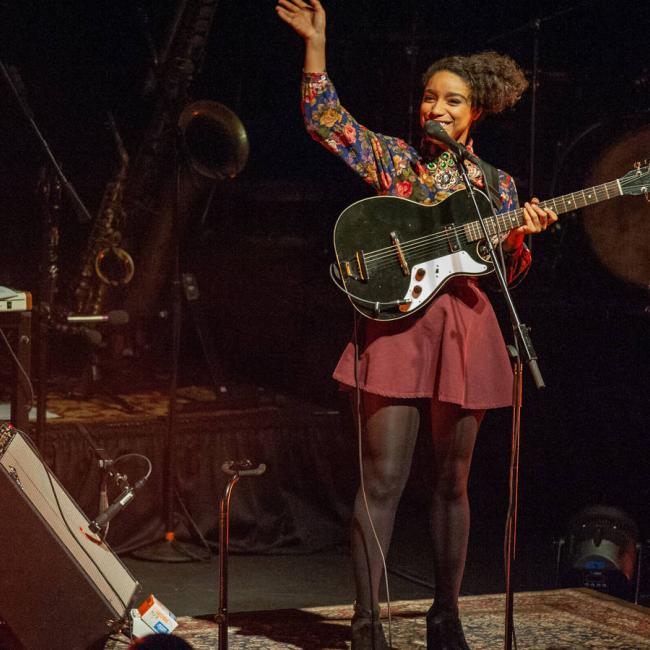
169	549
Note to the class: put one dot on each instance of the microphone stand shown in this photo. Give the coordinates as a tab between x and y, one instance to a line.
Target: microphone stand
523	344
105	463
170	549
52	181
163	80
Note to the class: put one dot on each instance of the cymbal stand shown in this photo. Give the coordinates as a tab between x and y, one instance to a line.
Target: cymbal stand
534	25
235	469
49	187
52	182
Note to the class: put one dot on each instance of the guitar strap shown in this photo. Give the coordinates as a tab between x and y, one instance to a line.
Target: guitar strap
491	175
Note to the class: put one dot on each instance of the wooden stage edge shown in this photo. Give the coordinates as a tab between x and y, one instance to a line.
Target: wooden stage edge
198	408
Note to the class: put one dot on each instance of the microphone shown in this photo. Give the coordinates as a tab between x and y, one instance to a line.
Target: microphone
115	317
435	130
116	507
94	337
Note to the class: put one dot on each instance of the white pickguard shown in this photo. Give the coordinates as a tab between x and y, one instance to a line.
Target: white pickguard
435	273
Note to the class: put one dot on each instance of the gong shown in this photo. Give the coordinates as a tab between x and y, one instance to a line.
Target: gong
619	230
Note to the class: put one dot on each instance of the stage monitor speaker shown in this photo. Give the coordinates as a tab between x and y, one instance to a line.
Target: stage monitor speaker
60	585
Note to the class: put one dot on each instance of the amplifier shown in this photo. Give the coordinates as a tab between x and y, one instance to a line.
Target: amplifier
15	301
60	585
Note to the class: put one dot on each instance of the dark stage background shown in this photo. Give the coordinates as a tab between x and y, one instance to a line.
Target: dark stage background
262	254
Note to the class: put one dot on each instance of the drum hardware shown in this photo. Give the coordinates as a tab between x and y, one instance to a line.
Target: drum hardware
235	469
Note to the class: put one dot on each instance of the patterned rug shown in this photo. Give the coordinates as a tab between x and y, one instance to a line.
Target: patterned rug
566	619
124	405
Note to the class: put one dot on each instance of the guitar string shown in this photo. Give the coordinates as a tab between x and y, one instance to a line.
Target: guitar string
462	232
389	251
617	186
455	229
428	242
372	258
389	260
506	216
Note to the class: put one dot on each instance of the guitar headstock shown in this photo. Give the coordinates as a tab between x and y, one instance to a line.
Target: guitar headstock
637	180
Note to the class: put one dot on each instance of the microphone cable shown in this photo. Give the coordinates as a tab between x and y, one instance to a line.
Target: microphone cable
64	519
360	429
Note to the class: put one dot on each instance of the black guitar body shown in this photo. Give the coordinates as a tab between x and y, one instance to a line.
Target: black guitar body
394	254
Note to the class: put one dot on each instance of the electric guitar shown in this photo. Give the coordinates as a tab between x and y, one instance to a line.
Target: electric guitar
394	254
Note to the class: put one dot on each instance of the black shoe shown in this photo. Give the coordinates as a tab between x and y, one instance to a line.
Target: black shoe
367	632
444	631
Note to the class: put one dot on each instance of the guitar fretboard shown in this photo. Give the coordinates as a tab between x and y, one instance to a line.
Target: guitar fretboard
508	220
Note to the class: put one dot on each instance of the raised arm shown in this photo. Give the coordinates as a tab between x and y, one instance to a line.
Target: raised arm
377	158
308	20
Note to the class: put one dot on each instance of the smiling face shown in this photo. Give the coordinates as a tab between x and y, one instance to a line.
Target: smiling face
447	100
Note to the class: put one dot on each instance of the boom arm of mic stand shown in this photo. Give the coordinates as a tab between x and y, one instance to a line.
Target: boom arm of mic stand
522	332
82	213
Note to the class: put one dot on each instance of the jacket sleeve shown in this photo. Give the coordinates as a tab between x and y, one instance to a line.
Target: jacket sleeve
376	158
518	261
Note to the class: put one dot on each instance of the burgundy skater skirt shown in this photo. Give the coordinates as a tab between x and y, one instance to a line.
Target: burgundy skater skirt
452	350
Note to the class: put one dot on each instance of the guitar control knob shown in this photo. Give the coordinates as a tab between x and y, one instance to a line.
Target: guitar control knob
417	290
419	274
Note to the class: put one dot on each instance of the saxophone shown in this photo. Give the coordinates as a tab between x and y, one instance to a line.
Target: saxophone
161	193
105	263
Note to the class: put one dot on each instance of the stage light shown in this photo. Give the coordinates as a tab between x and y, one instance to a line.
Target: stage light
602	551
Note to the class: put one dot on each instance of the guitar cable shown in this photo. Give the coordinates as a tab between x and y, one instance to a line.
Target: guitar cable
335	275
360	429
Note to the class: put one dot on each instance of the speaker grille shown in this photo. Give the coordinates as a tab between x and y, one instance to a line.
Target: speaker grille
59	588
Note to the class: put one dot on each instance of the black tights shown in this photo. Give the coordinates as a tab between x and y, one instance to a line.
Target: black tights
389	436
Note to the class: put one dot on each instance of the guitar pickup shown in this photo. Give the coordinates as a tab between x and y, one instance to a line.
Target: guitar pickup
400	253
361	265
452	238
355	268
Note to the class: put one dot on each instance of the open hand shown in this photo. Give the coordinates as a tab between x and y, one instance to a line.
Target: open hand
306	18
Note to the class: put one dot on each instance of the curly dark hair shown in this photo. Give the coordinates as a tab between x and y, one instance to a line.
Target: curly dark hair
495	80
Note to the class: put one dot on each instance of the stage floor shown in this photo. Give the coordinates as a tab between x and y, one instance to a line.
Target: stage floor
568	619
273	592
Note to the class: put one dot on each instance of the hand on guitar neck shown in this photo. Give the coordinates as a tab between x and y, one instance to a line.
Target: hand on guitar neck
536	220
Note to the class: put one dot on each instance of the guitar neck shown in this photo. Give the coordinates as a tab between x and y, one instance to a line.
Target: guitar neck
514	218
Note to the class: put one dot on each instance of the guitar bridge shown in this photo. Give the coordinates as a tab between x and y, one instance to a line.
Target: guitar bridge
400	253
452	238
356	268
361	265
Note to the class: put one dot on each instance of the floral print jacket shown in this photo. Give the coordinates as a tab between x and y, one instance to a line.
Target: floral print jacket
390	164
